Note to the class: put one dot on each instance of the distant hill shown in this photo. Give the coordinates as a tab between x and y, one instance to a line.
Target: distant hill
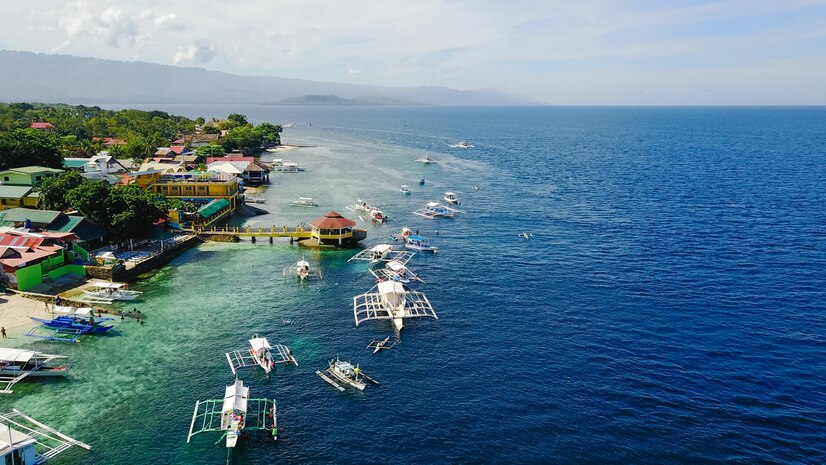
33	77
338	101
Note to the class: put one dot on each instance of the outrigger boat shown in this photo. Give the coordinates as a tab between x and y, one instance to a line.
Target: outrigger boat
26	441
345	372
413	241
106	292
395	271
303	270
373	212
280	166
435	209
73	323
450	197
405	189
18	364
417	242
260	354
379	344
389	300
383	253
235	414
303	202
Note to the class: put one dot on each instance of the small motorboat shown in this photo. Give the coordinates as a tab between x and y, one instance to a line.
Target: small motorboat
405	190
103	291
260	353
421	181
379	344
450	197
426	160
435	209
416	242
372	211
303	270
462	145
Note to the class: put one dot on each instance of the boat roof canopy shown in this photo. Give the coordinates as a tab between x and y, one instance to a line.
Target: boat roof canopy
85	311
107	285
382	248
390	287
235	397
259	343
15	355
395	265
432	204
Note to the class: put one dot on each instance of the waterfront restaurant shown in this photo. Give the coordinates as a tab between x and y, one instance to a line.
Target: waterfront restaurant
334	229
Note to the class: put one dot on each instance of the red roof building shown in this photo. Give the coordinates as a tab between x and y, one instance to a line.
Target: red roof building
41	126
334	229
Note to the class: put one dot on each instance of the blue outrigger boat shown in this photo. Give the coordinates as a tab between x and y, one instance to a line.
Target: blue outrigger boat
70	326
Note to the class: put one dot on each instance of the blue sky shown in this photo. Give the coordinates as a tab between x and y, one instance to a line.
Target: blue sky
609	52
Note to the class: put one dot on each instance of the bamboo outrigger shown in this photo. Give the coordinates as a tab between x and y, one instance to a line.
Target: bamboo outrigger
389	300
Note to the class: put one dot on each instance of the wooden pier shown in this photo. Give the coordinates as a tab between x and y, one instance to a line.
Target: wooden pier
297	233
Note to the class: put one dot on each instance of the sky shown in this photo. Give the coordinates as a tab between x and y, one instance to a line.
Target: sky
567	52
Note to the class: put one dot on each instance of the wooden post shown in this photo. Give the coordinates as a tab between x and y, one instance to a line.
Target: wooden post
270	239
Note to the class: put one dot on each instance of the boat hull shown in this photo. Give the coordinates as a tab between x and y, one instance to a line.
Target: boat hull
51	372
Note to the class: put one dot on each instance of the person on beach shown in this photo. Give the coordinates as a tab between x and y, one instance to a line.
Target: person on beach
3	332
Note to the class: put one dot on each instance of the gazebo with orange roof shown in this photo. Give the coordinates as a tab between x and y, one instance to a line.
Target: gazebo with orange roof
334	229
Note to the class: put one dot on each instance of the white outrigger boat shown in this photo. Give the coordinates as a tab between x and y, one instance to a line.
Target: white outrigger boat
234	414
395	271
19	364
426	160
346	373
389	300
383	253
405	189
280	166
450	197
303	202
435	209
303	270
107	292
379	344
26	441
260	354
372	211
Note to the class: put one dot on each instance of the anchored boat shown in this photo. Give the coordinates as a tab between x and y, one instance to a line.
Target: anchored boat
106	292
379	344
405	189
235	414
344	372
18	364
382	253
389	300
260	354
303	202
435	209
372	211
426	160
462	145
450	197
395	271
303	270
71	324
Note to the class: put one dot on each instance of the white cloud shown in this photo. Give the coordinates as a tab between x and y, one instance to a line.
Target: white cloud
160	20
352	71
197	53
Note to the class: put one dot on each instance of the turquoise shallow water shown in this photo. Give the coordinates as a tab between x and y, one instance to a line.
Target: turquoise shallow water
669	308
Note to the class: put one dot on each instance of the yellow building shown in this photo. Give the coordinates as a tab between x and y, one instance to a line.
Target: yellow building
17	196
197	188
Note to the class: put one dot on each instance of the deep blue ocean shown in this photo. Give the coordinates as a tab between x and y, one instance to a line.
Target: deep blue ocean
669	308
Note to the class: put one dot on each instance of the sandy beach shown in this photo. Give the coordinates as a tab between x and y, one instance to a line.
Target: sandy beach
15	311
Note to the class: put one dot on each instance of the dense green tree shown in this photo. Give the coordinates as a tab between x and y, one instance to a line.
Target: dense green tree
241	138
239	120
133	211
210	150
270	133
26	147
54	190
90	198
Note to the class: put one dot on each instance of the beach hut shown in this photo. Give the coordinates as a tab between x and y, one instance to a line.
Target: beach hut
334	229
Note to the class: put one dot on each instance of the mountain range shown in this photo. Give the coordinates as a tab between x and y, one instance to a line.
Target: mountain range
35	77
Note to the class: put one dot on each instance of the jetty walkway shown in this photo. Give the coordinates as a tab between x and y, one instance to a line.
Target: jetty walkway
293	233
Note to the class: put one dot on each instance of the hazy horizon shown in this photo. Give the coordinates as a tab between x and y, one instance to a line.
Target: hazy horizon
591	53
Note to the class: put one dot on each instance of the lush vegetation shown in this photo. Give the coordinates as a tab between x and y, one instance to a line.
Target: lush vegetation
127	211
79	131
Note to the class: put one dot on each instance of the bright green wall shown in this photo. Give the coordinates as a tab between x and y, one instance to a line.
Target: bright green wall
68	269
29	277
